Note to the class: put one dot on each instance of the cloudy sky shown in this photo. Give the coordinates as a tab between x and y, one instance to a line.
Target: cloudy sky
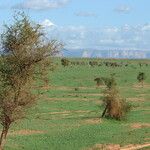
85	24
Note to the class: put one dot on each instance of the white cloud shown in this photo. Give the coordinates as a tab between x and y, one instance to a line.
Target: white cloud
124	37
41	4
47	23
146	27
123	9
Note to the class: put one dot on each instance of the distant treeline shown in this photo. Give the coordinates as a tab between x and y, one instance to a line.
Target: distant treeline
67	62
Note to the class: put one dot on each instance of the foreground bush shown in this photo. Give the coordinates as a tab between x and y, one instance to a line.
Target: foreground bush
115	106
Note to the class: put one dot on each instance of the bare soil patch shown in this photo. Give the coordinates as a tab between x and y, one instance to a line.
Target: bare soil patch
85	88
86	94
69	99
105	147
80	113
68	112
118	147
135	147
140	125
26	132
66	87
48	87
91	121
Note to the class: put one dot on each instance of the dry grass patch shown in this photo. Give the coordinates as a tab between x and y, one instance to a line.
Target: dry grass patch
142	95
54	87
26	132
118	147
147	112
135	146
98	102
86	94
91	121
140	108
135	99
86	88
138	85
105	147
67	88
147	139
68	112
67	99
140	125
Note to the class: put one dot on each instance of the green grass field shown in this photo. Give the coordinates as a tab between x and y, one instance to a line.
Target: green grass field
69	119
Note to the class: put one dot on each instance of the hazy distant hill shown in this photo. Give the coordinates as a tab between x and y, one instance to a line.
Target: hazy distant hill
131	54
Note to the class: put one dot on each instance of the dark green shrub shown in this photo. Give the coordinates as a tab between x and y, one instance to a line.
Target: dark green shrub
76	89
99	81
141	77
65	62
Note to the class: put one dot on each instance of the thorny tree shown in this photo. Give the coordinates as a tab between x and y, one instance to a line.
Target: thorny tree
26	57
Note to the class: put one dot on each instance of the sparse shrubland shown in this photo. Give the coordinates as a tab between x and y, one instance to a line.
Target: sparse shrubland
66	116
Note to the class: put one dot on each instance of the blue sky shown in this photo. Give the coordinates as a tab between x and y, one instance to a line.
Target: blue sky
85	24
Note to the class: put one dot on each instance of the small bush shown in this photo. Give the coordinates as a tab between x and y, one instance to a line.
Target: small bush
115	106
141	77
99	81
65	62
76	89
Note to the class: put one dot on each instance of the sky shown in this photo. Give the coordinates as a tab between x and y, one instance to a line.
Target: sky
87	24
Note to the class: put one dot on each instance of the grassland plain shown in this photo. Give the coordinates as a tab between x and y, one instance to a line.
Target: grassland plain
67	115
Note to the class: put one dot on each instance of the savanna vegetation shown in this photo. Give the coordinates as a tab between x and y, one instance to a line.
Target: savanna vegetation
68	113
71	111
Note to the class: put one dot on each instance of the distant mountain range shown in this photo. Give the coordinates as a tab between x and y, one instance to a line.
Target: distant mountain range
130	54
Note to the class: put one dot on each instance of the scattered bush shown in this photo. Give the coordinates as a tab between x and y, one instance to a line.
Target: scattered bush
65	62
99	81
115	106
76	89
141	77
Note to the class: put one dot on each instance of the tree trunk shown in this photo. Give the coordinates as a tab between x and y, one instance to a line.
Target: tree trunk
3	137
104	111
6	131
